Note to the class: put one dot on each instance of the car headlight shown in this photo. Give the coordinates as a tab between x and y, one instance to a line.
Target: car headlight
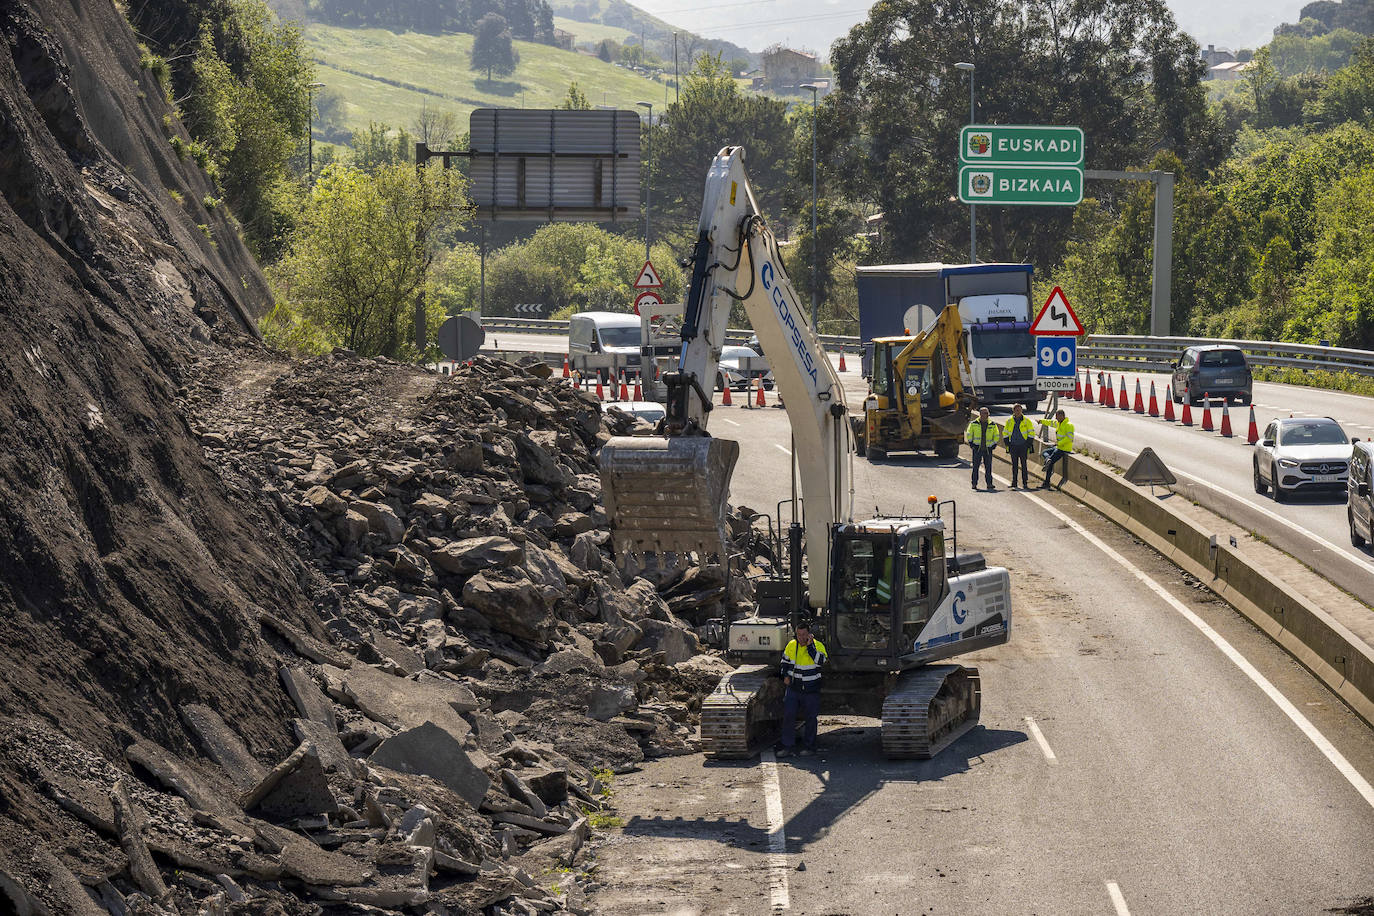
1287	463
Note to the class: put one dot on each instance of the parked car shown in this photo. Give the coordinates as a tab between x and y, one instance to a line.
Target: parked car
1302	454
734	371
1359	503
605	343
648	411
1215	370
753	344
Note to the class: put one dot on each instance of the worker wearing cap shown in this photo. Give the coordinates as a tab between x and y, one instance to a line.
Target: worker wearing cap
1063	447
1019	434
982	436
801	673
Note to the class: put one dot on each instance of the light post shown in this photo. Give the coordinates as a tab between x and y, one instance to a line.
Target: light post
814	244
649	169
310	124
972	208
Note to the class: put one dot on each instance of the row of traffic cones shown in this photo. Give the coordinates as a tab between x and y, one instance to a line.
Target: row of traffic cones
1084	392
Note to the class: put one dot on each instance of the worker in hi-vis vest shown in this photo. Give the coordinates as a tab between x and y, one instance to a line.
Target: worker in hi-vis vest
801	673
1063	447
982	436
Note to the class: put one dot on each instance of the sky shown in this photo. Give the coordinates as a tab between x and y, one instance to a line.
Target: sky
814	24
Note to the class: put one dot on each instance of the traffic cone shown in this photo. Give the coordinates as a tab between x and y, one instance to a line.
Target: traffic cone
1226	418
567	372
1169	408
725	396
1154	403
1108	398
1139	406
1187	419
1125	403
1252	434
1077	389
1088	388
761	402
600	394
639	390
1207	413
842	368
624	389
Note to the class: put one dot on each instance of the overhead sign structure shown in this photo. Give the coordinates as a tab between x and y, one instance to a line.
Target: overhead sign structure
648	277
1056	318
646	300
1033	185
1020	144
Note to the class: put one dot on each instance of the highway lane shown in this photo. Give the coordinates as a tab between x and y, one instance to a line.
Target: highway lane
1175	780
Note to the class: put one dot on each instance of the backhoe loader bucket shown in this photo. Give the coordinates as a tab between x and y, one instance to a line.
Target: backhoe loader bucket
667	494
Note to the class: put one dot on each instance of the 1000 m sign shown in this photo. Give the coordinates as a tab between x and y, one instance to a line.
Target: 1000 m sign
1044	185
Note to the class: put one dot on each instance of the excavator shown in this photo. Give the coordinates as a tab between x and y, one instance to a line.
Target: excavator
889	596
917	399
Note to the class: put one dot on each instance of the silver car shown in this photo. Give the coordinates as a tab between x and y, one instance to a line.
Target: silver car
1302	454
739	366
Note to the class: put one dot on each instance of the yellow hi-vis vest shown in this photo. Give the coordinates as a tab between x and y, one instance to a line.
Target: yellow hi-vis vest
803	665
1063	433
1027	429
974	434
883	587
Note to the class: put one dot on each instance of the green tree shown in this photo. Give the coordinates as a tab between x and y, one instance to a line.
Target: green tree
380	147
1349	93
576	99
492	49
360	254
1335	299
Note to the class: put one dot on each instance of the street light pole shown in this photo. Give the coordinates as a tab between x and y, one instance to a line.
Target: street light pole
972	208
815	326
649	169
310	125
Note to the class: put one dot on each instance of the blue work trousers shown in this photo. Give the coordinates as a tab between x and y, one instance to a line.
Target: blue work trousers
982	455
809	705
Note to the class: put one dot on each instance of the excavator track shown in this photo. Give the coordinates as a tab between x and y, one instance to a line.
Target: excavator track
929	709
742	712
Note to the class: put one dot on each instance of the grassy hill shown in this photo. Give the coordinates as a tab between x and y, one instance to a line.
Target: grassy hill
385	77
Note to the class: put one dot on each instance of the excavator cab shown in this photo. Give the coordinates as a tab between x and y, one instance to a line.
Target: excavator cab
889	579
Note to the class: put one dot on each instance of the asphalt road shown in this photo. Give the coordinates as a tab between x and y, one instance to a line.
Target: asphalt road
1123	764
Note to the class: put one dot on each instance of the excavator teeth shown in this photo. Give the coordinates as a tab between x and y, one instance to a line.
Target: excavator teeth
741	713
929	709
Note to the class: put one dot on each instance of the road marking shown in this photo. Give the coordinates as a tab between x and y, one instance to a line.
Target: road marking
1118	901
1040	740
1343	766
782	448
777	838
728	420
1306	532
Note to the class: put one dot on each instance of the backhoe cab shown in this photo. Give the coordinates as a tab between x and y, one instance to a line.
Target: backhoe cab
917	400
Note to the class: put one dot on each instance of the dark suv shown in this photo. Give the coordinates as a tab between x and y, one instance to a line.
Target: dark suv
1215	370
1359	504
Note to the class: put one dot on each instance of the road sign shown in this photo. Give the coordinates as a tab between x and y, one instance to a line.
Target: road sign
1035	185
1147	469
648	277
460	338
1053	383
1056	357
529	309
1020	144
1056	318
647	298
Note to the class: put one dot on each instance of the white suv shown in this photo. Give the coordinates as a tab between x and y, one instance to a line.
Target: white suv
1303	453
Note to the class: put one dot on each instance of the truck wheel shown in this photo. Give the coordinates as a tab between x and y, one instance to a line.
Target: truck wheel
1030	405
947	448
856	428
876	454
1355	537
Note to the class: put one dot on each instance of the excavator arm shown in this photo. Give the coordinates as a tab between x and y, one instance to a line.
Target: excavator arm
668	492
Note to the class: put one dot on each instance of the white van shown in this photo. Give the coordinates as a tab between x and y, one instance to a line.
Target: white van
606	343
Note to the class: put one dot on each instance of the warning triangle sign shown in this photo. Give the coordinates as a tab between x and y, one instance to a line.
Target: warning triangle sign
1056	317
648	277
1148	469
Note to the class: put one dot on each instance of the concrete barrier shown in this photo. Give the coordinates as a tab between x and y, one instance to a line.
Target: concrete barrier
1326	630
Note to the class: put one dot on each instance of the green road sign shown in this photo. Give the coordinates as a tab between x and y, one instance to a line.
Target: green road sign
1043	185
1019	144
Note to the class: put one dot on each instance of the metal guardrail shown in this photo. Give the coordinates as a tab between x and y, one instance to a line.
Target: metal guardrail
1158	353
1097	350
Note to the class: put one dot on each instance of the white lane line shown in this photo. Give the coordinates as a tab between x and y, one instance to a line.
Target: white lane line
782	448
777	837
1306	532
1039	737
1118	901
1328	750
728	420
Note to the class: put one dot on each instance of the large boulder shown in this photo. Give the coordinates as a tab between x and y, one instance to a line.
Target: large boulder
381	519
429	750
511	604
472	555
676	643
537	464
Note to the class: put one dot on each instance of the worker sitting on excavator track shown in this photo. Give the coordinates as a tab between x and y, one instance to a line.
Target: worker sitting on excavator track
801	673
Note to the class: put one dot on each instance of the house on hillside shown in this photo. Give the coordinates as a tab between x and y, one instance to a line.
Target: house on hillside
786	68
1230	70
1215	56
564	39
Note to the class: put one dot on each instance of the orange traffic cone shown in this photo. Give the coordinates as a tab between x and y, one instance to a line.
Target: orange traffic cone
761	402
1139	406
1125	402
725	396
1187	419
1169	408
639	390
1207	413
1077	389
600	394
842	368
1108	399
1088	388
1154	403
1226	418
1252	434
624	388
567	372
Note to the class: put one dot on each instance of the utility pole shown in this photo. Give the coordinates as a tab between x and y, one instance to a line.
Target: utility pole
815	245
677	79
310	125
649	170
972	208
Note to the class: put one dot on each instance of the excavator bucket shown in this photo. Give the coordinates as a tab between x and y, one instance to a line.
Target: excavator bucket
667	494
